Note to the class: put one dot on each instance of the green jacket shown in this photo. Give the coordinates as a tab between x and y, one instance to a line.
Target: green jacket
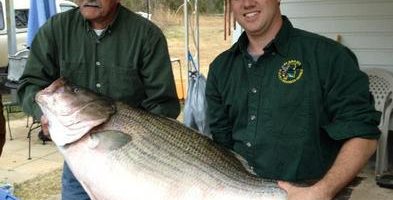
289	112
129	62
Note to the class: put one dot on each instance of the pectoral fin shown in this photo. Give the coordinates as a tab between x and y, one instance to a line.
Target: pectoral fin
108	140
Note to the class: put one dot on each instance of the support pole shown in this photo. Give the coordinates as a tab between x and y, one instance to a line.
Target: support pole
197	34
186	39
11	32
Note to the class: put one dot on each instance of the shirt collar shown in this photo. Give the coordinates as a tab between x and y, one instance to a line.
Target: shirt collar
279	44
108	30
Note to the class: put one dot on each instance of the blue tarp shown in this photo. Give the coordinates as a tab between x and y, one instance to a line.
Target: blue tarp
40	11
6	194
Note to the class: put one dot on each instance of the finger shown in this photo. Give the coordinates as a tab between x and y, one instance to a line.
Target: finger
44	120
45	125
45	129
284	185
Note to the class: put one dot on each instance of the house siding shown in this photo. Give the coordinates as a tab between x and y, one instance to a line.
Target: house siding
365	26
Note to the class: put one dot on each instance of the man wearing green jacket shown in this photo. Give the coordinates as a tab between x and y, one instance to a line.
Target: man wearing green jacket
293	103
104	47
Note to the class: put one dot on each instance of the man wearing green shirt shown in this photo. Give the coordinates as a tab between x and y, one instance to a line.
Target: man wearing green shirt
293	103
104	47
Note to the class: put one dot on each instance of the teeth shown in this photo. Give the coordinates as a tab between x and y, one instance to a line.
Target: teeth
250	14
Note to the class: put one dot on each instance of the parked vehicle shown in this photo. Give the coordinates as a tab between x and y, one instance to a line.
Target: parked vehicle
21	8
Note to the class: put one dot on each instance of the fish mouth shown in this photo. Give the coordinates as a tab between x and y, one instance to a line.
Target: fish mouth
91	104
53	86
72	111
42	95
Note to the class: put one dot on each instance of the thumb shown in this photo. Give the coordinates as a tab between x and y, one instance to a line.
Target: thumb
44	125
284	185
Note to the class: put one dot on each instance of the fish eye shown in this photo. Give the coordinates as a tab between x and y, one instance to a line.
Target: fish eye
75	89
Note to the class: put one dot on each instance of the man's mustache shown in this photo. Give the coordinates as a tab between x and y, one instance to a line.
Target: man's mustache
91	3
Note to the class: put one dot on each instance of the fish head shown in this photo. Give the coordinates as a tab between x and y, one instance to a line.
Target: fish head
72	111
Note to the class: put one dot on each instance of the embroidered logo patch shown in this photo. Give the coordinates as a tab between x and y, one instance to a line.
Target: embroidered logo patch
290	71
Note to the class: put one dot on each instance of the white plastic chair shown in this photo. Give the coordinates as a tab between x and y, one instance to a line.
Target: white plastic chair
381	86
16	65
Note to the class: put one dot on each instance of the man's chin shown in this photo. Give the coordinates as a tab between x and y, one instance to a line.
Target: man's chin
90	13
253	31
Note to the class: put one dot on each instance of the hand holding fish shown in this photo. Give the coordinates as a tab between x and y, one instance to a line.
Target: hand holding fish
303	193
45	125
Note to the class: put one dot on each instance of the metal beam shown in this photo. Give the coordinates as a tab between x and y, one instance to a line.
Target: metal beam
194	33
186	39
11	32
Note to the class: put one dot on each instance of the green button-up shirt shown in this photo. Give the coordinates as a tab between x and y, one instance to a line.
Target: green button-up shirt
129	62
289	112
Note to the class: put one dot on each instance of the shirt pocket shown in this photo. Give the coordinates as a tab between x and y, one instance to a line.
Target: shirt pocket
292	120
75	72
291	110
126	84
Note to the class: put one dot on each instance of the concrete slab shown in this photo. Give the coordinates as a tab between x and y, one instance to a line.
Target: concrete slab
12	161
369	190
14	164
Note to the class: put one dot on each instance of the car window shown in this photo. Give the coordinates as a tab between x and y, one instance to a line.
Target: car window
64	8
21	18
1	17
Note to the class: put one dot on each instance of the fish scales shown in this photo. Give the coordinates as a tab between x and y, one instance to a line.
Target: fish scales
197	148
173	146
119	152
199	145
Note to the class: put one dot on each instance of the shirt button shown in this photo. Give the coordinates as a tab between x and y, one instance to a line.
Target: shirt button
254	90
253	117
273	53
98	85
248	144
252	168
249	65
98	63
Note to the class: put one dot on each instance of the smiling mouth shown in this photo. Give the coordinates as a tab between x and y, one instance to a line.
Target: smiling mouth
250	14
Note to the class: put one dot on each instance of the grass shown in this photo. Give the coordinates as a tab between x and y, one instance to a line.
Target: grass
211	30
212	43
42	187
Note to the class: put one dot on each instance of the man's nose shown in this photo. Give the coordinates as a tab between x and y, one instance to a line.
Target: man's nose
248	3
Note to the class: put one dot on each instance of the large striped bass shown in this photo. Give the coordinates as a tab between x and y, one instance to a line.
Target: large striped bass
119	152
